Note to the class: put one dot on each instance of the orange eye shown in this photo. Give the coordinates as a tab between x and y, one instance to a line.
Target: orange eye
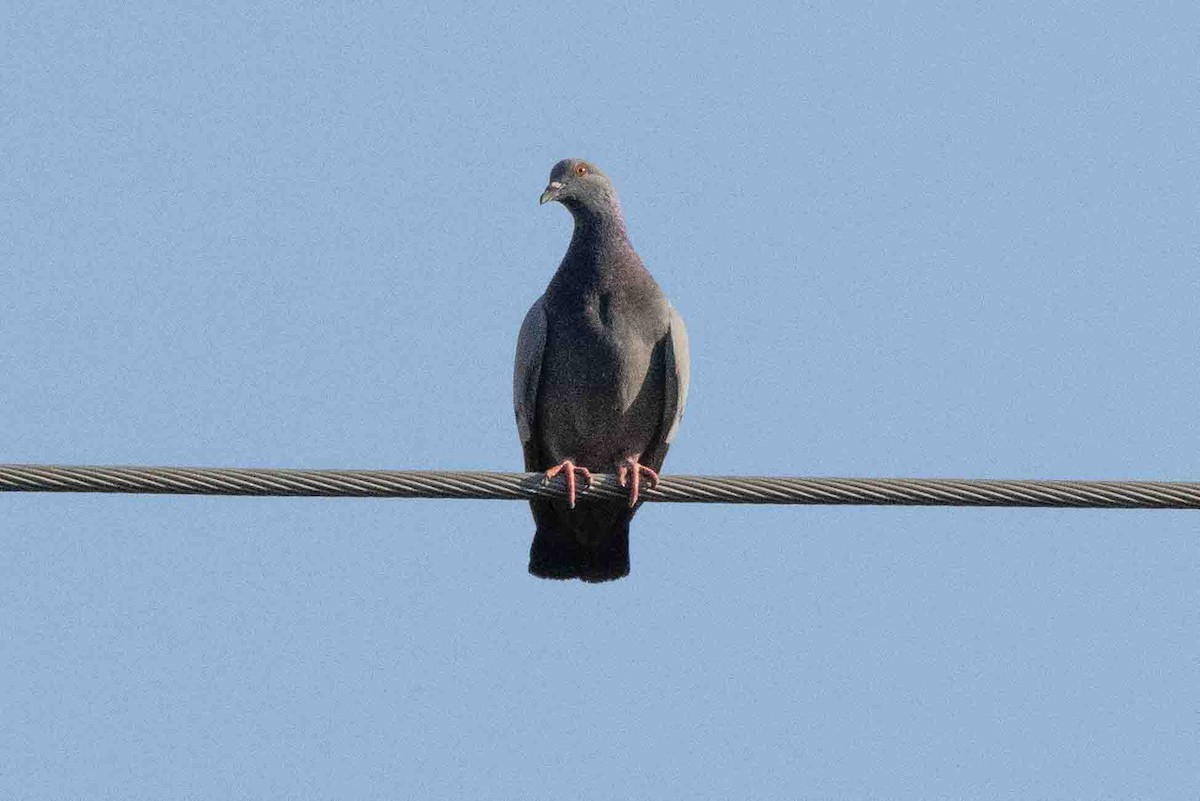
580	170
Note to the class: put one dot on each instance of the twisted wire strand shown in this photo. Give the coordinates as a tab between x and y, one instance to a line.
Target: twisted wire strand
671	489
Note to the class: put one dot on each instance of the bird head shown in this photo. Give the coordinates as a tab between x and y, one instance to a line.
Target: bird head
578	184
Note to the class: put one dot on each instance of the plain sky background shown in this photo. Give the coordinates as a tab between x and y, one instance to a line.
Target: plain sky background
908	239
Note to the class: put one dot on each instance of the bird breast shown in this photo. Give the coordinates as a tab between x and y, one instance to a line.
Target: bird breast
601	384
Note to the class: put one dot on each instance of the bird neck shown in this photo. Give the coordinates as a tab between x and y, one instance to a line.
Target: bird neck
599	249
598	218
599	226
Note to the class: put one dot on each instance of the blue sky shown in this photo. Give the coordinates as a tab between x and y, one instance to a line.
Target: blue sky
908	240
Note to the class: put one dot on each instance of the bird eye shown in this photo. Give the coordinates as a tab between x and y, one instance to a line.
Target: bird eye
580	170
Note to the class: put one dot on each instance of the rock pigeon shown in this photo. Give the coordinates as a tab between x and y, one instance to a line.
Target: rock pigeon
599	384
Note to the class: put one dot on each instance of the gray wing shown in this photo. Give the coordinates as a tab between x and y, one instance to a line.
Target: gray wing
678	373
527	371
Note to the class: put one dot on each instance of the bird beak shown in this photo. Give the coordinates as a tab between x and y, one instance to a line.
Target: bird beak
551	192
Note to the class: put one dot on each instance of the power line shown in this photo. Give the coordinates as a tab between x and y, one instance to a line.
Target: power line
672	488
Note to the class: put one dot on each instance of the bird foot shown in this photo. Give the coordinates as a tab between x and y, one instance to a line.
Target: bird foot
570	468
630	467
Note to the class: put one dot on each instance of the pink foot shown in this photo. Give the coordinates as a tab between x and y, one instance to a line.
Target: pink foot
571	468
630	467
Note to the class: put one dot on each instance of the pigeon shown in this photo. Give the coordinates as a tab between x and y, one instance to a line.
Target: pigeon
599	384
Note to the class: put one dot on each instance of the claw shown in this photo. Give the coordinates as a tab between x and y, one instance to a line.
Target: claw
570	468
631	466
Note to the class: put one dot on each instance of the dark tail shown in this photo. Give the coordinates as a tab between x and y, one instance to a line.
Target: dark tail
589	543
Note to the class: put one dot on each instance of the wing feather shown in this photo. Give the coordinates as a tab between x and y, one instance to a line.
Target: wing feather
527	370
678	374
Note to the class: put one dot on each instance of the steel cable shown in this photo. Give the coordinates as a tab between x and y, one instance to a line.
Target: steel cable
671	489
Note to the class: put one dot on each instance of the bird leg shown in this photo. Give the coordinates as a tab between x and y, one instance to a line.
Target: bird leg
631	468
570	468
